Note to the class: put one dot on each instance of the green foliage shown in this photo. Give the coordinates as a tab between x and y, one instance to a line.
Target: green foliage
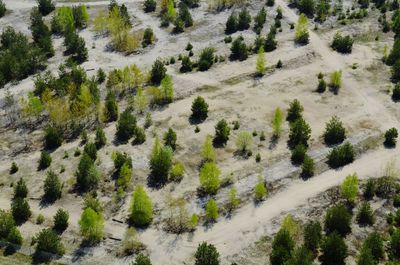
40	219
21	210
100	139
244	141
45	160
184	15
334	250
396	92
222	132
302	35
177	172
126	126
259	20
160	164
149	6
91	150
87	176
41	33
239	49
244	19
141	260
212	210
120	159
45	6
187	65
369	189
92	202
18	58
206	59
295	111
365	257
48	241
170	139
349	188
341	155
20	189
375	243
298	154
14	168
209	177
312	236
277	123
321	86
91	225
60	220
52	187
125	176
206	254
270	43
300	256
394	245
300	133
282	247
334	133
140	136
342	44
307	168
335	81
3	9
111	107
140	101
231	25
141	207
14	237
391	137
167	90
233	200
365	215
260	64
158	72
338	220
148	37
7	223
199	109
100	76
260	191
207	150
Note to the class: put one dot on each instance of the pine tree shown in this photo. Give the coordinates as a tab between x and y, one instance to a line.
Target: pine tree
91	225
222	132
52	187
302	35
141	207
207	150
260	65
209	178
206	254
212	210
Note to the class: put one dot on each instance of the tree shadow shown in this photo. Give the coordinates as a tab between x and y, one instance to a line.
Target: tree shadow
273	141
196	120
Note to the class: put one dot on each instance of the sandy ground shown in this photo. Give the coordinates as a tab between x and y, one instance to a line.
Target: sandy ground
233	94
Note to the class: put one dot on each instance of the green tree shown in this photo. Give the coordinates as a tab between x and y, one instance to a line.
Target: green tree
365	257
52	138
45	160
3	9
110	107
91	225
312	236
52	187
60	220
260	191
158	72
222	132
140	101
334	250
48	241
244	141
300	256
308	167
20	189
391	137
212	210
282	247
45	6
87	176
239	50
335	81
260	64
300	133
126	126
199	109
91	150
7	223
20	209
295	111
277	123
302	35
149	6
41	33
341	155
244	19
160	163
206	59
14	237
125	176
206	254
349	188
231	25
209	177
298	154
142	260
207	150
338	220
141	212
375	243
170	139
167	89
233	199
334	133
365	215
100	139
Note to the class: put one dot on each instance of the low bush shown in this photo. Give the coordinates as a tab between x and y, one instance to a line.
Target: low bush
342	44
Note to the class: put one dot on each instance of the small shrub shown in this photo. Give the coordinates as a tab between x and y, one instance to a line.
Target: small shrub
14	236
212	210
48	241
391	137
53	138
91	225
149	6
334	250
244	19
239	50
44	161
365	215
369	189
260	191
199	109
222	132
177	172
244	141
148	37
206	254
206	59
141	212
170	139
298	154
210	178
14	168
307	168
91	150
61	220
52	187
295	111
341	155
158	72
21	210
20	189
126	126
258	158
342	44
100	139
338	220
140	136
396	93
334	133
335	81
312	236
